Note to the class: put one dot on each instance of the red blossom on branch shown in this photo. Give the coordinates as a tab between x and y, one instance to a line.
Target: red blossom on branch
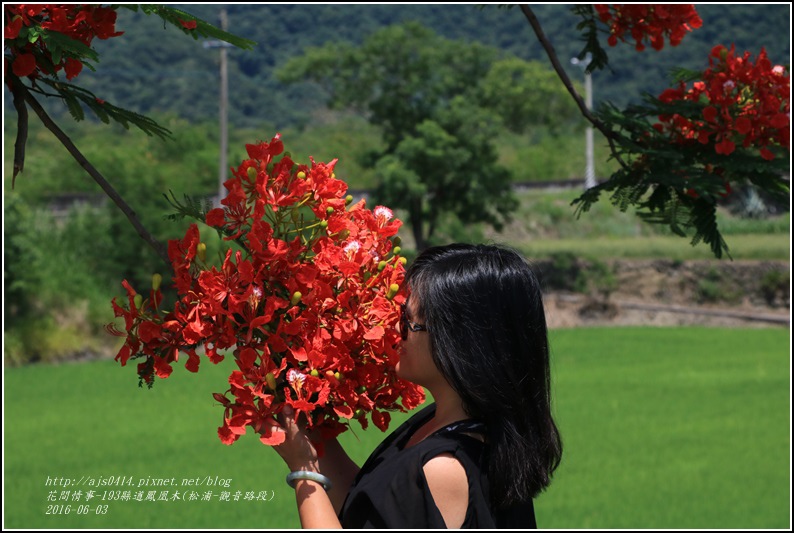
309	307
648	22
745	103
30	53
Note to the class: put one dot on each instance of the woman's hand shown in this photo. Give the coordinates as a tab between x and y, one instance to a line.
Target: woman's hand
299	453
315	508
297	449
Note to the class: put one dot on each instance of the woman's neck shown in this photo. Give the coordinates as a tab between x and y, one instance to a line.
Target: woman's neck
449	409
449	406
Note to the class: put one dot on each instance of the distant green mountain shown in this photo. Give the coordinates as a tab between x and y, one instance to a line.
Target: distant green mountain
152	70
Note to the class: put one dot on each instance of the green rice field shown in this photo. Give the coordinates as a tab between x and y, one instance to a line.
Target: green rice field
668	428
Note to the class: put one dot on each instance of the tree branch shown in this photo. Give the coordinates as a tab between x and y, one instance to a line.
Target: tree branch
158	247
22	132
566	81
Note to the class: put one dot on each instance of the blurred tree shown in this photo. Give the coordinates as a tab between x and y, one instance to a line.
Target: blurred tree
440	104
43	41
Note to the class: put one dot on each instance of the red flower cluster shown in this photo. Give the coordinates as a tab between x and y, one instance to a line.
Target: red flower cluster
653	22
308	300
27	27
742	101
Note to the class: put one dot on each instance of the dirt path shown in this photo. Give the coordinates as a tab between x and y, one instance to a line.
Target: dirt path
669	293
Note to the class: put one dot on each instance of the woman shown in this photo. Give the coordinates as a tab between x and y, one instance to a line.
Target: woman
475	337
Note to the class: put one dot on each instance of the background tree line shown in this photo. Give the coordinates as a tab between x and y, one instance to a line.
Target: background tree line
152	71
470	102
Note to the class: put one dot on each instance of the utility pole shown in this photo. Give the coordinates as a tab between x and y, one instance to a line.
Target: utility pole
589	175
223	106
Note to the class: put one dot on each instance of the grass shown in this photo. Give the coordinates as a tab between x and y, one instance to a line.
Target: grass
671	428
751	247
542	156
545	224
662	428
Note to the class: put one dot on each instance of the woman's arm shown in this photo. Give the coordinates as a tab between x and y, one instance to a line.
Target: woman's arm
316	507
446	478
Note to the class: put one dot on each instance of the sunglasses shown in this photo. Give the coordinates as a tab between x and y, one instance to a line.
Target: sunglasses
406	324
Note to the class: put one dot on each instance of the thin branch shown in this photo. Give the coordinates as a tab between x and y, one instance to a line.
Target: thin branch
94	173
22	133
566	81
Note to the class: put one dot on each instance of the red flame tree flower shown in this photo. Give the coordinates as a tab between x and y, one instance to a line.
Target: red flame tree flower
46	38
306	299
744	102
685	151
648	22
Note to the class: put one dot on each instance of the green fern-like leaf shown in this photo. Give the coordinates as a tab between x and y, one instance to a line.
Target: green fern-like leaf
105	111
625	197
589	27
203	28
666	208
685	75
704	220
195	208
98	110
72	47
74	107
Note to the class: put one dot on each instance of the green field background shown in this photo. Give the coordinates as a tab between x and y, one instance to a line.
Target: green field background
662	428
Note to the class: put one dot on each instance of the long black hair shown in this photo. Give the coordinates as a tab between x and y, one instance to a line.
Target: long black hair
484	313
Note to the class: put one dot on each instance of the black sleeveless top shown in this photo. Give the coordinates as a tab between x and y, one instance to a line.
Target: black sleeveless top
391	492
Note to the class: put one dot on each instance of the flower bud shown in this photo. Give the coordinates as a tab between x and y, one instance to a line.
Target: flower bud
397	250
344	234
333	175
323	223
358	413
201	251
157	280
403	260
393	288
296	297
337	375
301	175
348	199
329	210
271	380
138	301
251	173
314	373
381	266
361	389
397	240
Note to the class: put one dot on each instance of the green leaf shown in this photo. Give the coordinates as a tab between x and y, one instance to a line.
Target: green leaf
55	52
75	109
203	28
98	110
33	33
104	111
196	208
685	75
704	218
71	46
